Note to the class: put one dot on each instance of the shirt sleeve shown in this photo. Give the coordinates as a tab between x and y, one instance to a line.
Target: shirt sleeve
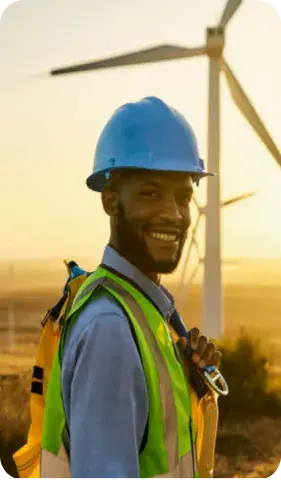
108	403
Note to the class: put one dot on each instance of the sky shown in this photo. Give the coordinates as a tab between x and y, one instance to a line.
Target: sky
49	125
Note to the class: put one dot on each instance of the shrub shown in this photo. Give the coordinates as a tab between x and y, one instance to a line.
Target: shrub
247	366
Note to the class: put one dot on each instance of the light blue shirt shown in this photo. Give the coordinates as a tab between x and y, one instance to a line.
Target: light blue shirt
103	383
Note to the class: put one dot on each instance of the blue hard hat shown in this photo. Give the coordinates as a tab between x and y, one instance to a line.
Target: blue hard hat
146	135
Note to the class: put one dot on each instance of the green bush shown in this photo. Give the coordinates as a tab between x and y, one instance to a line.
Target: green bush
247	365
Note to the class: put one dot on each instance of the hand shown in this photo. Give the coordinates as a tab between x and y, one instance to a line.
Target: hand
203	352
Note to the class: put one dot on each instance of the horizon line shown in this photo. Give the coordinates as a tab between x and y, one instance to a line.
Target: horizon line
62	258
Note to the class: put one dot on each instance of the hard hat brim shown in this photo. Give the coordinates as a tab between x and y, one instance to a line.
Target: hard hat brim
96	181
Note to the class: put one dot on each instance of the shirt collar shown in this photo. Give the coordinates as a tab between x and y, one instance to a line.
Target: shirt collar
159	295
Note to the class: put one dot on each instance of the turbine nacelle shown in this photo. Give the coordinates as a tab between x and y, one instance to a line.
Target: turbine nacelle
215	41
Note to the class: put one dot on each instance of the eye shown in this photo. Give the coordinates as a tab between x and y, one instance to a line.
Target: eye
150	194
185	199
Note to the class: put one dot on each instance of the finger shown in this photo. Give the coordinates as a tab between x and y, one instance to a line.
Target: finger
207	355
198	354
216	359
193	335
202	344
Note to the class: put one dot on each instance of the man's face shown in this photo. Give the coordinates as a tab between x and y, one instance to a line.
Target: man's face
153	217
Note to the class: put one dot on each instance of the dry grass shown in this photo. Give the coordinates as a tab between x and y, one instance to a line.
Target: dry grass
22	356
14	402
249	449
14	416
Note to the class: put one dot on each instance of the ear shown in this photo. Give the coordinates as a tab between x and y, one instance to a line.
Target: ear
109	202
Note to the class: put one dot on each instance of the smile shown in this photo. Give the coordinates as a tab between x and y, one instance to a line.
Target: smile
166	237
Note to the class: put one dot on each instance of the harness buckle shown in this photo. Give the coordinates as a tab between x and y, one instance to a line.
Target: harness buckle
215	380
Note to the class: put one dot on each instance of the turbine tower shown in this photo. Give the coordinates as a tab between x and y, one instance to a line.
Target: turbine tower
212	323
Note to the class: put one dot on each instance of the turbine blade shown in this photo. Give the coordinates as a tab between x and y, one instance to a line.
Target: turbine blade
232	200
196	246
193	273
246	108
182	292
230	9
149	55
196	203
192	243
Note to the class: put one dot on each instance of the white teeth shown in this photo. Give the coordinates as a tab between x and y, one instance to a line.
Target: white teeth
164	236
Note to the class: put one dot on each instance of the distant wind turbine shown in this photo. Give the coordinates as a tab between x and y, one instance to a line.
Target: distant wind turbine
194	245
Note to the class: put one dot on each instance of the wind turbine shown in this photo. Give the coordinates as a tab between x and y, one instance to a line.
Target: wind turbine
194	244
215	41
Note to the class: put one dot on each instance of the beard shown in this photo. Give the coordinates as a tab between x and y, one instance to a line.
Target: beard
133	247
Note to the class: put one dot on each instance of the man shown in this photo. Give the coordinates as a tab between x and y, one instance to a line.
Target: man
126	399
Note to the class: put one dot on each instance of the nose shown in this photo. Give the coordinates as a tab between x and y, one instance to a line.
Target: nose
170	210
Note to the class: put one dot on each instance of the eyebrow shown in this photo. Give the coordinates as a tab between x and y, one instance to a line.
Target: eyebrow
153	183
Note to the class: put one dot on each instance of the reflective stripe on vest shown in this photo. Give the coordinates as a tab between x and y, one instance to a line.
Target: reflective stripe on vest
169	451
